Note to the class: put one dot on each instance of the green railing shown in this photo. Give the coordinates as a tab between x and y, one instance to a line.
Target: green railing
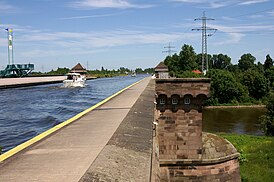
17	70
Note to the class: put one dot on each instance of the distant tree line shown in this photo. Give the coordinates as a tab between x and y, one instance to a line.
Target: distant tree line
99	73
247	82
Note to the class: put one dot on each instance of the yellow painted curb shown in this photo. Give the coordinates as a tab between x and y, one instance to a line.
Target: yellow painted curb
39	137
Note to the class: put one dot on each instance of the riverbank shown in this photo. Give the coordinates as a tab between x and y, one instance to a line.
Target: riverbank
236	106
257	156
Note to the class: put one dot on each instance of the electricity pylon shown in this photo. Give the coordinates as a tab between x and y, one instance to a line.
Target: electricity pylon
169	49
204	29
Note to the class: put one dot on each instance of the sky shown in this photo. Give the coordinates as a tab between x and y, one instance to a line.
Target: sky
130	33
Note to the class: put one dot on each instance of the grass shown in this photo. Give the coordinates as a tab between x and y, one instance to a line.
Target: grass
257	156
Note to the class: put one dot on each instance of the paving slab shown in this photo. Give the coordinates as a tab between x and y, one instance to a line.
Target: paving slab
69	152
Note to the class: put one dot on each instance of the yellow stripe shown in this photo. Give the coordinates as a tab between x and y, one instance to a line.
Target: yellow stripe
39	137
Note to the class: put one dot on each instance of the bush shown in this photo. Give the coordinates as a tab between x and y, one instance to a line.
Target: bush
267	120
267	124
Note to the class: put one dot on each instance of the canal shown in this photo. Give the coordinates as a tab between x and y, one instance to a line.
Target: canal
28	111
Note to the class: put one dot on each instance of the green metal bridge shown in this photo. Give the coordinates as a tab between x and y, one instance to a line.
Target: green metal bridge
16	70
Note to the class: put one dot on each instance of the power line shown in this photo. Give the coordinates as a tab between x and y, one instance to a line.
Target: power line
204	29
169	49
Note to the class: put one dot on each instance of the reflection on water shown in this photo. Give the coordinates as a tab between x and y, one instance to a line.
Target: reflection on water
233	120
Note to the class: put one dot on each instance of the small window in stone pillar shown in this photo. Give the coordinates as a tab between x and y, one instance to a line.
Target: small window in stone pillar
162	101
187	101
174	101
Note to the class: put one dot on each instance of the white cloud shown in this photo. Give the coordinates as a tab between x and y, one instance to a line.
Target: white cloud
256	16
120	4
101	39
236	33
7	8
208	3
271	13
220	3
91	16
248	2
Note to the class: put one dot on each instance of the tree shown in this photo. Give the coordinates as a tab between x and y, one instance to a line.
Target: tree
221	61
199	61
149	70
224	86
246	61
269	74
139	70
268	63
260	67
59	71
187	58
172	63
256	83
267	120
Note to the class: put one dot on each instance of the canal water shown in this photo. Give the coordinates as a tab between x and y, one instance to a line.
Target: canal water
28	111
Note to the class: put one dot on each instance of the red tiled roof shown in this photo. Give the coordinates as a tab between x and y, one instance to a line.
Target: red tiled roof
197	71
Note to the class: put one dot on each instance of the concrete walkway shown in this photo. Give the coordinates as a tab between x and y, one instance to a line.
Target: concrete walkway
29	81
67	154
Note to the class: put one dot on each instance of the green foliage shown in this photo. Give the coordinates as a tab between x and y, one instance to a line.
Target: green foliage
224	86
246	62
59	71
199	61
123	70
221	61
187	58
268	62
1	150
173	64
269	74
267	120
149	70
256	156
256	83
145	71
267	124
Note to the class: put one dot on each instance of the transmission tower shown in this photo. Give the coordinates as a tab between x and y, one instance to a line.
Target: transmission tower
204	29
169	49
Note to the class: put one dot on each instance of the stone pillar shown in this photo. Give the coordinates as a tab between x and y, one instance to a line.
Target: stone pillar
185	152
179	106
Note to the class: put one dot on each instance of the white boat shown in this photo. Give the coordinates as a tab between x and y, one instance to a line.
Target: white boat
133	74
74	80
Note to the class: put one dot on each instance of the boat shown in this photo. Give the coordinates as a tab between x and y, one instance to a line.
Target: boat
74	80
133	74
